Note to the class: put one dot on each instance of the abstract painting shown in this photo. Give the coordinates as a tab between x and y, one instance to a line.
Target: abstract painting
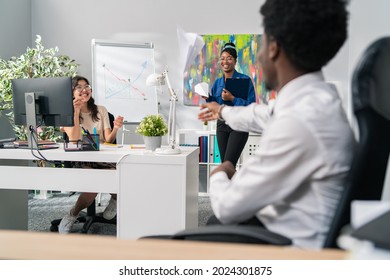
206	66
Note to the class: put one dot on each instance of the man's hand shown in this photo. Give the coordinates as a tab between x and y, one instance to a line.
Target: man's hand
226	167
209	111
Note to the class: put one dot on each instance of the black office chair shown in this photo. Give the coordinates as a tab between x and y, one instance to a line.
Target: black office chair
91	216
371	103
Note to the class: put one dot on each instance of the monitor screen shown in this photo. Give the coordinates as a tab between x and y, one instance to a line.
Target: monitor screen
53	101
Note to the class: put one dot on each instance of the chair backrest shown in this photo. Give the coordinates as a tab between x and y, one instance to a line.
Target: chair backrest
371	104
112	119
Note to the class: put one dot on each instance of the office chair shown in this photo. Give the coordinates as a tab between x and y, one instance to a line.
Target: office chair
91	215
371	104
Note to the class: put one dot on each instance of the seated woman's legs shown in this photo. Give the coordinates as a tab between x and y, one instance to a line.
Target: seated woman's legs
110	211
84	201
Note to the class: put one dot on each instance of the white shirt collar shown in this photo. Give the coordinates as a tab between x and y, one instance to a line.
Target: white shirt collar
293	88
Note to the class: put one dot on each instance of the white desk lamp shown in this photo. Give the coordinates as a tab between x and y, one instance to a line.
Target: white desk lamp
159	80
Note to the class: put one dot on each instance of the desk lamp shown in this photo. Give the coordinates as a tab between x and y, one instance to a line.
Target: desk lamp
159	80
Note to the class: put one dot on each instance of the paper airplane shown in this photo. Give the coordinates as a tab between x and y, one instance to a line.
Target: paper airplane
202	89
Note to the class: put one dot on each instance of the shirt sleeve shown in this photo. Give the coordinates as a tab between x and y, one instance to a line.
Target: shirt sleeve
286	156
252	118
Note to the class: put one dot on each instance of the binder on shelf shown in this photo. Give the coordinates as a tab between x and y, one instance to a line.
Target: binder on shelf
203	148
200	148
217	156
211	151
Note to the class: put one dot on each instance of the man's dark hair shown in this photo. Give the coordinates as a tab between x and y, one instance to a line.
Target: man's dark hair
310	31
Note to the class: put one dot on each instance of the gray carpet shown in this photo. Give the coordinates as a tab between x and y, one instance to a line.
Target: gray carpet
43	211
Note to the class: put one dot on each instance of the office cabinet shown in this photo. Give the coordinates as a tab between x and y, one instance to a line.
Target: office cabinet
208	151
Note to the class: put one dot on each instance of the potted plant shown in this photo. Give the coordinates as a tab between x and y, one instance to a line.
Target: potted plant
37	62
152	128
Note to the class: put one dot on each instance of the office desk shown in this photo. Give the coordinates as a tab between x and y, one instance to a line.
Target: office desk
47	246
157	194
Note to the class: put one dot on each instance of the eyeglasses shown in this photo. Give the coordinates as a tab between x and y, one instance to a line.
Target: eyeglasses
228	58
81	88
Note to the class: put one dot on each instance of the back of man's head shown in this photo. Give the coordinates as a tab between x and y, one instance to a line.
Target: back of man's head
309	31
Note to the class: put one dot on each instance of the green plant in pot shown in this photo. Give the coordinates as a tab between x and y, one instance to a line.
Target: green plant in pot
152	127
37	62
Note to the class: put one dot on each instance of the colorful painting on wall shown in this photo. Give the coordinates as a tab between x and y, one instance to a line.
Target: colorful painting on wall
206	66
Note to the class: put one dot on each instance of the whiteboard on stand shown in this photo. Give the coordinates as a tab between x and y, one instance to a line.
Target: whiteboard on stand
119	72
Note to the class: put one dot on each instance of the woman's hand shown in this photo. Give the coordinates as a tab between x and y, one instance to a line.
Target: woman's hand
77	103
118	122
227	95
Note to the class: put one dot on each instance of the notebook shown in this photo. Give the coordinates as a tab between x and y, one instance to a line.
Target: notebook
376	231
42	144
21	143
238	87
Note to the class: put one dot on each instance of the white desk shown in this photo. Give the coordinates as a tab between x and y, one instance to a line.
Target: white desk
157	194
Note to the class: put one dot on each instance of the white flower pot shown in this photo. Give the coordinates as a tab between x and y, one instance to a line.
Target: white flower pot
152	142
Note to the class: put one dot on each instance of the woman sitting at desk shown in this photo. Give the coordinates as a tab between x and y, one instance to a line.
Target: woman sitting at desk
91	117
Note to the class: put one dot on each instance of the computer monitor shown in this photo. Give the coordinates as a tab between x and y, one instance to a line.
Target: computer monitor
42	101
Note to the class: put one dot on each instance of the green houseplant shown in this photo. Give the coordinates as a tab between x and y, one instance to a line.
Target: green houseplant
152	127
37	62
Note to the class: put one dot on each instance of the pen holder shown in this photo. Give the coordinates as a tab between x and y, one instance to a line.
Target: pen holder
87	143
90	142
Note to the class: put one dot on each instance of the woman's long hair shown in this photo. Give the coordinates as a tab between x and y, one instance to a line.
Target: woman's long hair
91	102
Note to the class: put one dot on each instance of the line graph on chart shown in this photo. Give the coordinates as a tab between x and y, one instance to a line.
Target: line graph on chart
116	87
119	79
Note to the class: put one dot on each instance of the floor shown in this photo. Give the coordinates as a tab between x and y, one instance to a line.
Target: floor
43	210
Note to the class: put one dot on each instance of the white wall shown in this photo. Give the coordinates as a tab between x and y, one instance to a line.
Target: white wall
369	21
72	24
15	31
15	36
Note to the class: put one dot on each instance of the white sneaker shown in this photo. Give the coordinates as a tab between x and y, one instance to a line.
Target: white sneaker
110	211
66	224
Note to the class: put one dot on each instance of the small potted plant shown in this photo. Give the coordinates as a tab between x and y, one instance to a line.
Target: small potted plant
152	128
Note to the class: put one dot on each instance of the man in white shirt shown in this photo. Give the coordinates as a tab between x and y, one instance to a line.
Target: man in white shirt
293	183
